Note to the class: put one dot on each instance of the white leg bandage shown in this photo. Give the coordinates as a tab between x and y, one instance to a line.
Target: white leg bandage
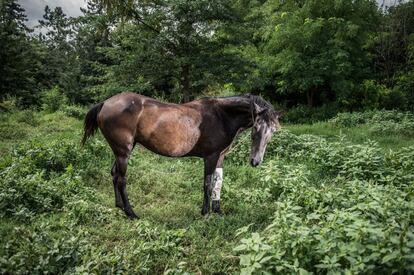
217	183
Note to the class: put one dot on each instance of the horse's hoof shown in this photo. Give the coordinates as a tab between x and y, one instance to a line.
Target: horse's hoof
218	212
205	212
216	207
131	215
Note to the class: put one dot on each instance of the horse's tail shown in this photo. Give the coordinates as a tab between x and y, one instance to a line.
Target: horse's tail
91	122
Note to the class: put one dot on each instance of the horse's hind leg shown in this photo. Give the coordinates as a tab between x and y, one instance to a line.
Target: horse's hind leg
118	200
121	166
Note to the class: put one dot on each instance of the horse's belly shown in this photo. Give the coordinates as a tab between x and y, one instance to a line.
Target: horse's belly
173	139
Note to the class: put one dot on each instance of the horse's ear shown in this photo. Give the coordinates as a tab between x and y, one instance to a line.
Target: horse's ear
258	109
279	114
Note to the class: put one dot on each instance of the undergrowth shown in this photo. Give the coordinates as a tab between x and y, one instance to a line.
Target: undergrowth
317	205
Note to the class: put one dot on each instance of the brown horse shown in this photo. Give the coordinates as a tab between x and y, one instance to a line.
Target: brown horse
203	128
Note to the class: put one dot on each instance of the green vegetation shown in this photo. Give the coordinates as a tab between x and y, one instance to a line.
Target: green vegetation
332	55
324	201
334	195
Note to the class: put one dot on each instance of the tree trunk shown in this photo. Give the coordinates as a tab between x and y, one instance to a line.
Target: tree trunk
185	82
309	95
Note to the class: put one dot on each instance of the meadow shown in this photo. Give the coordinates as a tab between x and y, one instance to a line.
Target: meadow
333	197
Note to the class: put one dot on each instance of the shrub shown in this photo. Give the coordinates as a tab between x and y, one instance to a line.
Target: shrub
373	94
304	114
379	122
50	158
404	128
53	99
24	194
240	150
351	119
342	159
27	116
75	111
64	248
45	177
9	104
331	227
403	95
37	250
12	131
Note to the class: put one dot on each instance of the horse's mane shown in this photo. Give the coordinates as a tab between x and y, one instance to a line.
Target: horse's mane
270	113
249	100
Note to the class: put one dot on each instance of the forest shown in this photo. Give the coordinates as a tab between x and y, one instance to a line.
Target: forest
334	195
331	55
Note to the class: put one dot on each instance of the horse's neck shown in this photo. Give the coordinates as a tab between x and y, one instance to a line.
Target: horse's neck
238	110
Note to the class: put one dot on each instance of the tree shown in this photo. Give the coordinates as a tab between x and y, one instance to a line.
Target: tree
169	45
92	32
392	42
60	64
18	55
317	48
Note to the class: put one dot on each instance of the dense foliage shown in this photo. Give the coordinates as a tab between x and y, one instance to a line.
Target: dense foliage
348	54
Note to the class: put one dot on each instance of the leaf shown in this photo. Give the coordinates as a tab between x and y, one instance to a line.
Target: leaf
246	271
245	260
265	259
241	247
390	257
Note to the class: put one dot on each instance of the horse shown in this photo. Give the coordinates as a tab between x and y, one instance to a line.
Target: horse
203	128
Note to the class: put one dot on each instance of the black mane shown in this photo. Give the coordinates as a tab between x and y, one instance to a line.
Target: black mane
261	102
248	100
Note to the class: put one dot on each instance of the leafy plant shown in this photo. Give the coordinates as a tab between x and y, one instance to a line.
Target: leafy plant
53	99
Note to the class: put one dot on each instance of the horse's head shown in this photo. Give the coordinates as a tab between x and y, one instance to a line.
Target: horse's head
265	123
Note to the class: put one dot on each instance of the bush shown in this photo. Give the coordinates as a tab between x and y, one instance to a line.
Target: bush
27	116
373	95
17	131
348	120
9	104
304	114
37	250
345	160
365	238
379	122
75	111
59	248
24	194
43	178
53	99
405	128
331	226
403	91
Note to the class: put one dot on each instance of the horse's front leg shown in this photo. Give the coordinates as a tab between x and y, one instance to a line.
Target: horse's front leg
217	182
209	167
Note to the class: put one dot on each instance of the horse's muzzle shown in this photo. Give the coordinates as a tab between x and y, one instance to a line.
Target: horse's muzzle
254	162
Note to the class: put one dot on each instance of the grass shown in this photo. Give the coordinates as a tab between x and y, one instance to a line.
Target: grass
171	234
357	135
